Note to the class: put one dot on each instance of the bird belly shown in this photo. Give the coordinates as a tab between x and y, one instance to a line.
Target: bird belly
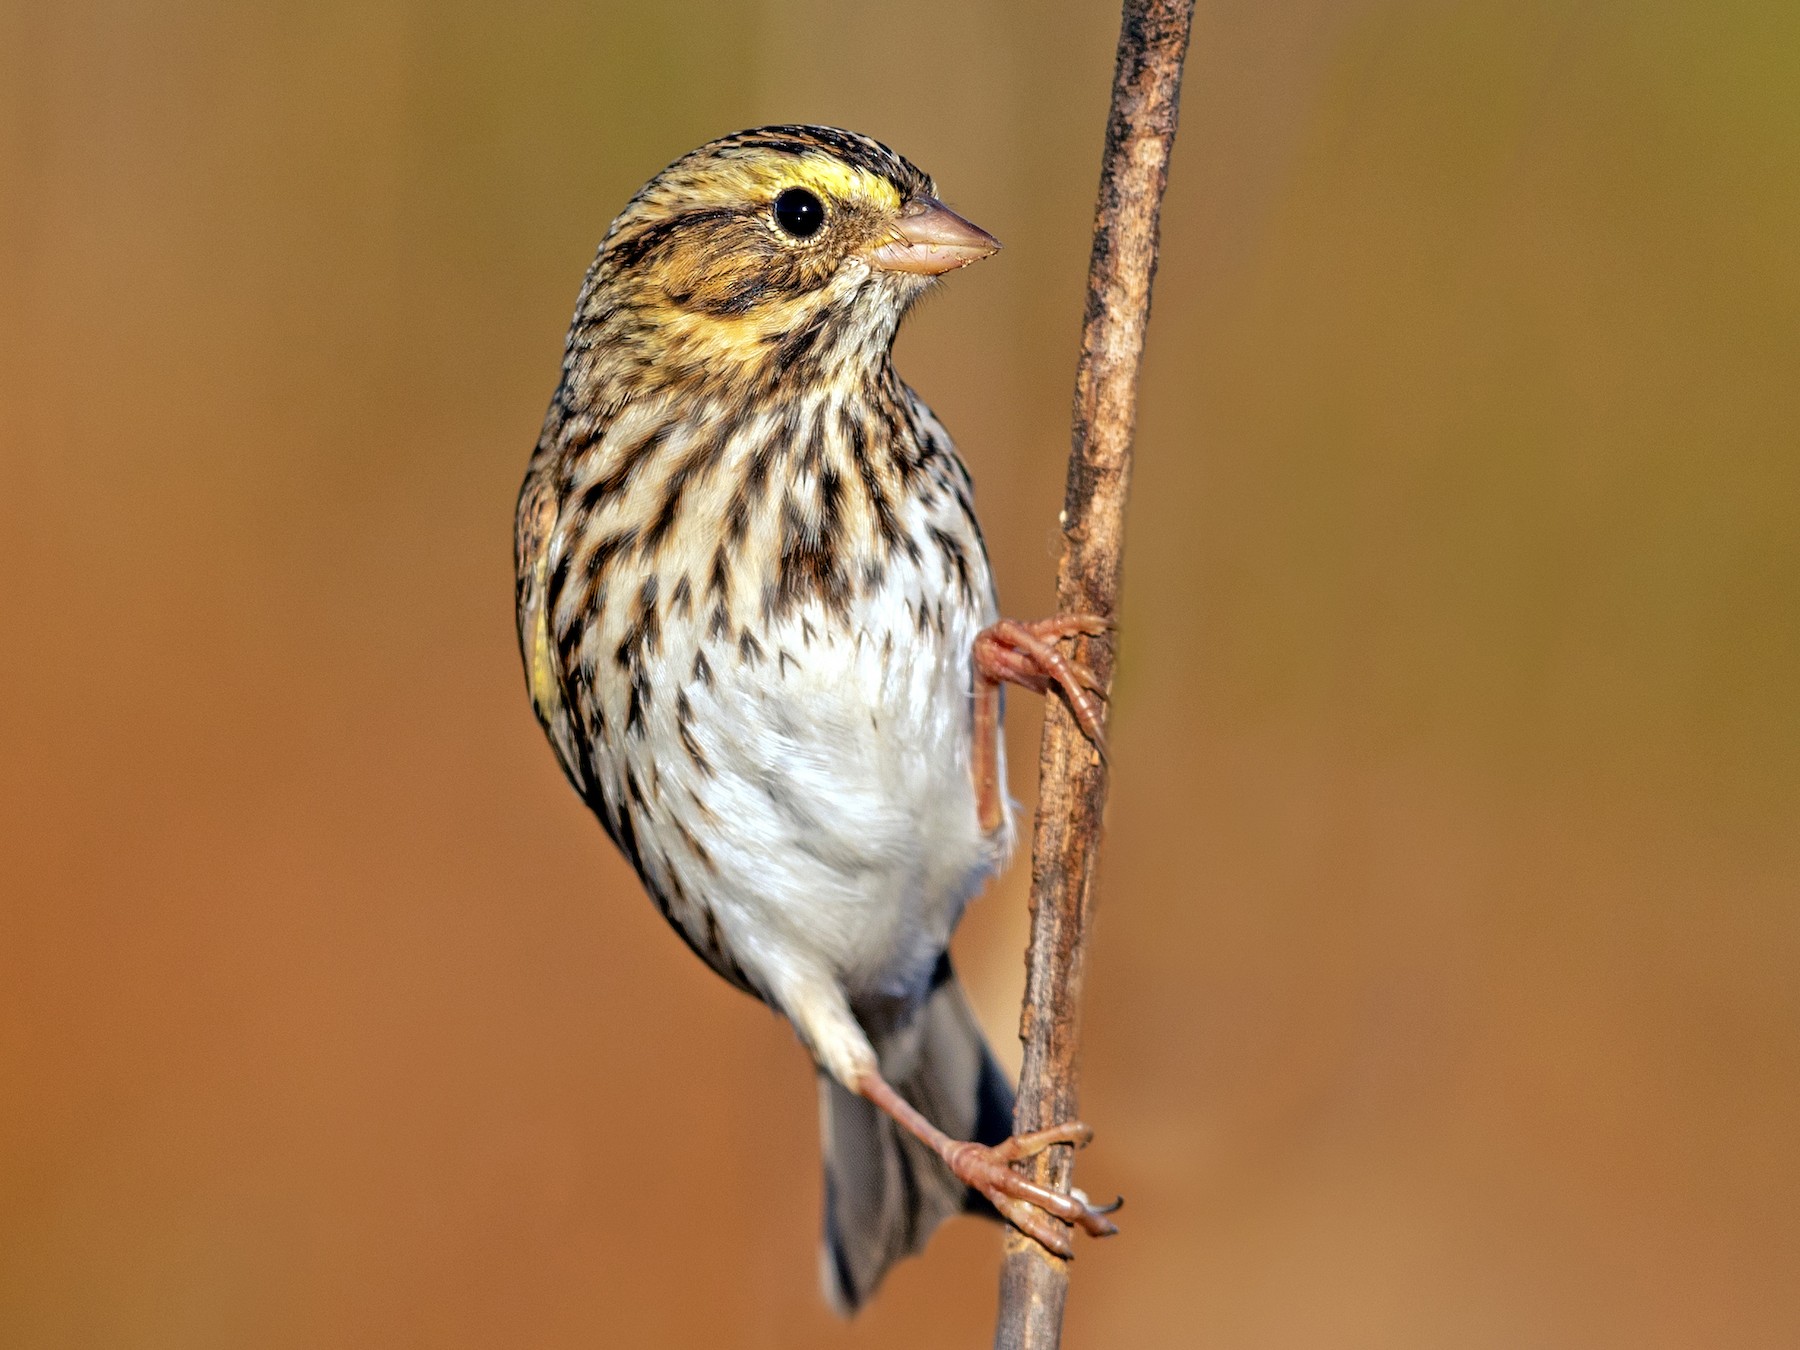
823	769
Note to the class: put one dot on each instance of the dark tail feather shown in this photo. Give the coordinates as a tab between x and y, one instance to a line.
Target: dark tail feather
884	1190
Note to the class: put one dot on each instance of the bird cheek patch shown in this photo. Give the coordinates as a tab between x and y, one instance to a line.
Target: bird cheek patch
723	271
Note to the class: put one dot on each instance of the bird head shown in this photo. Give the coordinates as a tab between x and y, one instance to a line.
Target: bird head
769	250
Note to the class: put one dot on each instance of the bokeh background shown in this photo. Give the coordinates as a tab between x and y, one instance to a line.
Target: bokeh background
1445	984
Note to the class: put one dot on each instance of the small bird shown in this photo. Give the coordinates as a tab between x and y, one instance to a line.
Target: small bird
760	632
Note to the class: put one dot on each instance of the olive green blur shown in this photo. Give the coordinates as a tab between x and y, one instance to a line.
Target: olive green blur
1446	986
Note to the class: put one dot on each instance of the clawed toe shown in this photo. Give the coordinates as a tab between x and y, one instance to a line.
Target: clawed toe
1067	625
1028	1206
1113	1206
1030	1145
1035	1224
1025	653
1084	676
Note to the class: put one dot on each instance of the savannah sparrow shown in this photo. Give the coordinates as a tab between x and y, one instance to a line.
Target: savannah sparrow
760	631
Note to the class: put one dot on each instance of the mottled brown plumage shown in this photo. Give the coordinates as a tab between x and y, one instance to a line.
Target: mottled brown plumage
750	586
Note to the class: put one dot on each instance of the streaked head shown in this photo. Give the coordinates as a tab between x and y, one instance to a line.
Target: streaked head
738	247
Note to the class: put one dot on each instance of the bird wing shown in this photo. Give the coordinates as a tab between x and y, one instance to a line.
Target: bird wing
532	532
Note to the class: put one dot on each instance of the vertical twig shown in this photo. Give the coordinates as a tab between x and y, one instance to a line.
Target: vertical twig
1140	132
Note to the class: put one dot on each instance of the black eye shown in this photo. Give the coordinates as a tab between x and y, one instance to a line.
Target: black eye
799	213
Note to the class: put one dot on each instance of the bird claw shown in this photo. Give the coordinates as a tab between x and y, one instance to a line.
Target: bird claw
1029	1207
1025	653
1113	1206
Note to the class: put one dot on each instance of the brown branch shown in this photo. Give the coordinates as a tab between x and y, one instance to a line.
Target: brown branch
1140	132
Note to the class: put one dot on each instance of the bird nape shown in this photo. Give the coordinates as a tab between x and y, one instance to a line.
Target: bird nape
760	631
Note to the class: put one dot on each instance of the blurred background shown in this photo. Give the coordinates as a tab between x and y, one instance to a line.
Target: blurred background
1445	984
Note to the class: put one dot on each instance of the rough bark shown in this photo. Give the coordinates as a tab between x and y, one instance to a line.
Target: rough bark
1140	133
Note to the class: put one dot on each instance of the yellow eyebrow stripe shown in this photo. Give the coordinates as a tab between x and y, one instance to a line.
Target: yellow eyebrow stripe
825	174
837	179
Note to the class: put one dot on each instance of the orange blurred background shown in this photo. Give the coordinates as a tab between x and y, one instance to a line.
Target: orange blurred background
1445	986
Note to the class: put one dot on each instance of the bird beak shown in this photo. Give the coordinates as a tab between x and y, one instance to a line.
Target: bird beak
931	238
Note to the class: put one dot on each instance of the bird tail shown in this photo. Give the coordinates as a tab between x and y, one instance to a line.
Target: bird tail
885	1191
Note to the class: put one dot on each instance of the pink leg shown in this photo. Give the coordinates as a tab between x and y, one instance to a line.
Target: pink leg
1025	654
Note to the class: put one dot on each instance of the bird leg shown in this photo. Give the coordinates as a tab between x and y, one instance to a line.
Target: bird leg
1011	652
986	1168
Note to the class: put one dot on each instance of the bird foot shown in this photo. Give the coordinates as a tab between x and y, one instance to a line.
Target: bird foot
986	1168
1025	654
1028	1206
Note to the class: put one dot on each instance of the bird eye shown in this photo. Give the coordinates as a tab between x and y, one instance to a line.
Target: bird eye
799	213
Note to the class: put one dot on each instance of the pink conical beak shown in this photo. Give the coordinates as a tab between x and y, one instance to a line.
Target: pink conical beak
932	239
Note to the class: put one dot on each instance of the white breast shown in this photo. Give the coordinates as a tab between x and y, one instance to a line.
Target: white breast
825	768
